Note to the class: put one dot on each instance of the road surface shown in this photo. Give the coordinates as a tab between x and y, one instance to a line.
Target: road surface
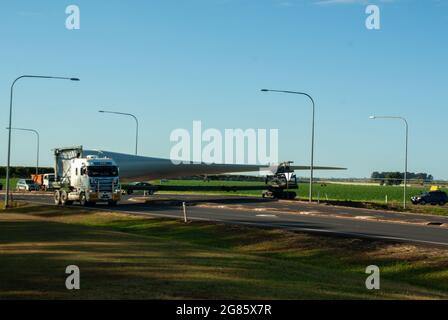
291	215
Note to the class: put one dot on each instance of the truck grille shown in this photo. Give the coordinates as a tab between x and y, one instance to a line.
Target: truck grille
102	186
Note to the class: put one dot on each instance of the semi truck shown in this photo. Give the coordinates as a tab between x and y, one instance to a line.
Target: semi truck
86	179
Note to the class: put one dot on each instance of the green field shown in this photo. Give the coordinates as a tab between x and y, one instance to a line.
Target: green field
135	257
330	191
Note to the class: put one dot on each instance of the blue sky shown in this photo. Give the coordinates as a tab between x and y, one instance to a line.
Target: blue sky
171	62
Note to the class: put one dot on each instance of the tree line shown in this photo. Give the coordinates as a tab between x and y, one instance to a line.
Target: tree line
396	178
23	172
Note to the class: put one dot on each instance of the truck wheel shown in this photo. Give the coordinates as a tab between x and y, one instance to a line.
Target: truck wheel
57	198
63	198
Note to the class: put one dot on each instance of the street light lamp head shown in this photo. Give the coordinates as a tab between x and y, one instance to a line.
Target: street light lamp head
75	79
372	117
125	114
264	90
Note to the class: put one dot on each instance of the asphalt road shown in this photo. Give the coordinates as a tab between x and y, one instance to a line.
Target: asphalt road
292	215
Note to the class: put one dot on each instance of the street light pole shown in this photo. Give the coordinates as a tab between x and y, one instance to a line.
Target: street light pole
136	122
406	151
312	135
10	125
38	143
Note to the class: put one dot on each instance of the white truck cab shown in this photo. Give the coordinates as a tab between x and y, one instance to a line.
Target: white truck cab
87	180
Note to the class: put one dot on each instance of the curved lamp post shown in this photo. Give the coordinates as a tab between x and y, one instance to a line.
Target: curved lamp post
10	125
136	122
312	134
38	143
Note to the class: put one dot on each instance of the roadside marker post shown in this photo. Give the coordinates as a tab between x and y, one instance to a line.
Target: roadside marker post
184	207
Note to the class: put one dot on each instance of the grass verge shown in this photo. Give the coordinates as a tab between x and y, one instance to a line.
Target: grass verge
134	257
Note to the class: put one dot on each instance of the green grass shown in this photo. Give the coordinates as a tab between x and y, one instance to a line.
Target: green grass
332	191
369	193
12	182
125	256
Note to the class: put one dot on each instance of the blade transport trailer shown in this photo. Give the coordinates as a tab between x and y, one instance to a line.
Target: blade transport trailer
85	179
277	186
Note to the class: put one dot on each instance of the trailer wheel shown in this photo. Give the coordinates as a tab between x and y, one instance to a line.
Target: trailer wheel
63	198
57	198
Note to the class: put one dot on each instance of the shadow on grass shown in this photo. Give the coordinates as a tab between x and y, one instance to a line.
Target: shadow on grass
50	211
154	258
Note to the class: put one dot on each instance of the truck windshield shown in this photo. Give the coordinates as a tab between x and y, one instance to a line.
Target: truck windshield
102	171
